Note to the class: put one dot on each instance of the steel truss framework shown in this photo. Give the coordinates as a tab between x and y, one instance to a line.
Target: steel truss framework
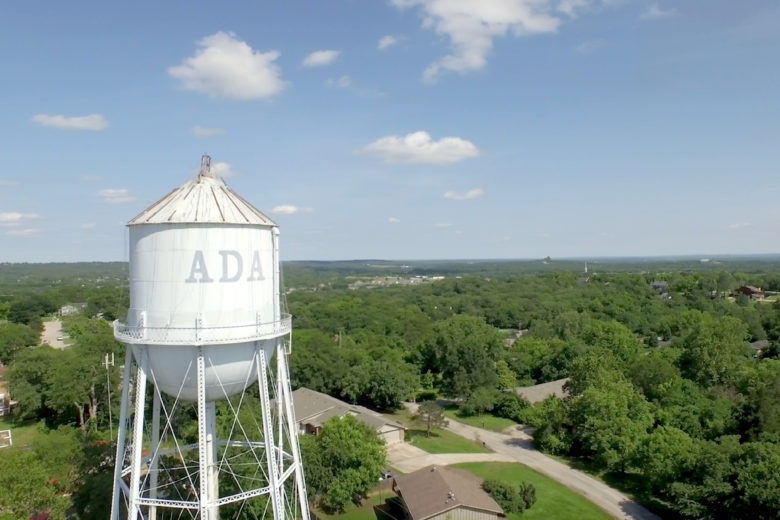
245	462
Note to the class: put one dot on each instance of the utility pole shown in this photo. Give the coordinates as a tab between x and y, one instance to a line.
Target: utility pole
109	361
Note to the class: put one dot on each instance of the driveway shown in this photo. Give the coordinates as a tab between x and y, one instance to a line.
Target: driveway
407	458
518	446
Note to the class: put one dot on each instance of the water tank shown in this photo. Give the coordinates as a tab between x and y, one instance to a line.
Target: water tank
204	274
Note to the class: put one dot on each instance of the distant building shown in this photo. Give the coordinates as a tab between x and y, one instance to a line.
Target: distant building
439	493
312	409
759	346
753	292
72	309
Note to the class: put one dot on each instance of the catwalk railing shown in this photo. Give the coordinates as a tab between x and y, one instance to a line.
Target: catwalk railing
197	335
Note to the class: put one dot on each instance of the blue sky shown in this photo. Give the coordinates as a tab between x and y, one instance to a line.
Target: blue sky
409	129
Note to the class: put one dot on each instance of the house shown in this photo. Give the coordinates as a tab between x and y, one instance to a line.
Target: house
660	286
755	293
538	393
312	409
440	492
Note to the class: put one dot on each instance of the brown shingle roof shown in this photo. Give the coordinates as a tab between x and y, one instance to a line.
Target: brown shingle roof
315	408
435	489
538	393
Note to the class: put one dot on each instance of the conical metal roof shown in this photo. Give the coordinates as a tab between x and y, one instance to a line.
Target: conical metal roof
204	200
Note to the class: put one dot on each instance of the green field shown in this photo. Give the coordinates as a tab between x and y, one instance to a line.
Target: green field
553	500
486	421
22	435
443	441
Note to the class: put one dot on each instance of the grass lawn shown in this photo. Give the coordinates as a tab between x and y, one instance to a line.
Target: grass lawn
443	441
486	421
440	441
378	506
21	434
553	500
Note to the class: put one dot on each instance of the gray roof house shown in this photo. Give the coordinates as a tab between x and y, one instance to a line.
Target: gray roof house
440	493
313	408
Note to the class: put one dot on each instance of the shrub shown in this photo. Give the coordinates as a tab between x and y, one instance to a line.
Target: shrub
513	498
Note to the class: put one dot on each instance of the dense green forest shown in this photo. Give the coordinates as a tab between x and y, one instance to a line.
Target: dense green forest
667	397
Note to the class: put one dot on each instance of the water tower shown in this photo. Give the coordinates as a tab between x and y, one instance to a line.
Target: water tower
209	343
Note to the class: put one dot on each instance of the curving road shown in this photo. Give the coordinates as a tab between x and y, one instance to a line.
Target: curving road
518	446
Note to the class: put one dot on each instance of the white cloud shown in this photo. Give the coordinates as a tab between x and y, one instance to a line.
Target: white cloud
386	41
226	67
116	195
288	209
738	225
394	220
442	225
472	26
418	147
205	131
222	169
320	58
93	122
570	7
588	47
13	218
23	232
342	82
91	178
469	195
88	225
656	12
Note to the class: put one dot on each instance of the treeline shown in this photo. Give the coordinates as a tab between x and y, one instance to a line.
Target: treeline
666	394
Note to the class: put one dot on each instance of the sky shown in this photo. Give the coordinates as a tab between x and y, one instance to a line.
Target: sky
406	129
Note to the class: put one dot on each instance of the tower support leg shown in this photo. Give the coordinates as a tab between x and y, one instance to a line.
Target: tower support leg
134	510
268	434
207	447
292	428
119	460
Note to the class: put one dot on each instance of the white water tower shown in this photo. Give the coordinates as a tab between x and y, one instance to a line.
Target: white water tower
203	326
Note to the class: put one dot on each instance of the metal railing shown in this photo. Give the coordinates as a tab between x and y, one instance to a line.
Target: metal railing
197	335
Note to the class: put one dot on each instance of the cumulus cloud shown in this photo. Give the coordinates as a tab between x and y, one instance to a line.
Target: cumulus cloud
320	58
205	131
656	12
386	42
469	195
116	195
23	232
288	209
418	147
471	27
93	122
222	169
227	67
14	218
342	82
394	220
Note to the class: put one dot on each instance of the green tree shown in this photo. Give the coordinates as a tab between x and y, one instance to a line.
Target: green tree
609	421
27	489
13	338
463	349
430	415
665	456
344	461
715	350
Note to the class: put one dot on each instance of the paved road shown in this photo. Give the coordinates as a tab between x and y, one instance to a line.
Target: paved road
53	333
518	446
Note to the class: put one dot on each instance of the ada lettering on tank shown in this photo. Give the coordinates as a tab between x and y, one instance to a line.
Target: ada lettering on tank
232	268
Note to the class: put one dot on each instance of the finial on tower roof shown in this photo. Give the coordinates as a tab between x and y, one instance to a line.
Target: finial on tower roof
205	165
